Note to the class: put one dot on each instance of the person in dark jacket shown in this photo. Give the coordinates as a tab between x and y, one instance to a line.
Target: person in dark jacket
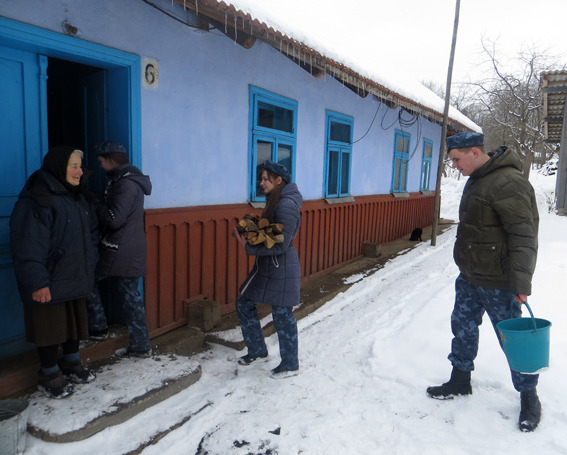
275	277
495	250
123	249
53	240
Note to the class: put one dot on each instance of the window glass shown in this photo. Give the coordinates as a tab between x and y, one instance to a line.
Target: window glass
332	187
427	150
404	174
345	172
275	117
397	174
263	153
340	132
284	155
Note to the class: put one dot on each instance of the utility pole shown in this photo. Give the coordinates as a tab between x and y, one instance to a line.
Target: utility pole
442	150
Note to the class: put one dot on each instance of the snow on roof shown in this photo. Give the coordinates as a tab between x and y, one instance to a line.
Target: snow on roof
309	31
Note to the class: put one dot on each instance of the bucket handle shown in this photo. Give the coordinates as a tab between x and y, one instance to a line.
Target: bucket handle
529	309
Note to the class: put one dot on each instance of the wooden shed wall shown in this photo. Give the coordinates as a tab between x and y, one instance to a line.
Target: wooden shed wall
192	255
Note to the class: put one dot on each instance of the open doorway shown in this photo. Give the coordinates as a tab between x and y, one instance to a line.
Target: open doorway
77	112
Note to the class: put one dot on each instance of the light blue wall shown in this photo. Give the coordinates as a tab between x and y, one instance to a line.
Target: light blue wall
194	126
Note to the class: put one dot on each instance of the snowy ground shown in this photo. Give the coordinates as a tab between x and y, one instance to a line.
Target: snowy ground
366	359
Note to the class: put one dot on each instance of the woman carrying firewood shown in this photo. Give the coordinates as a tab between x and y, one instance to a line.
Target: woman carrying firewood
275	277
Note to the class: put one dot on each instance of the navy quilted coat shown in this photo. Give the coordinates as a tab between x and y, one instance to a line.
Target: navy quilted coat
123	248
275	277
53	238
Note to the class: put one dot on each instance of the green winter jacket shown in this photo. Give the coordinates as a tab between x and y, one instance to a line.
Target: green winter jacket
496	244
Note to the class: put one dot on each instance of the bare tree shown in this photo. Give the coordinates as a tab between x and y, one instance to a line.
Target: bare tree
508	104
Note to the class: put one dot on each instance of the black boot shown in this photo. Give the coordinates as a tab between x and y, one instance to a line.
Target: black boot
530	414
459	384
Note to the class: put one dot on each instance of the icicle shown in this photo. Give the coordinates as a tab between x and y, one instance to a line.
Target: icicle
197	7
235	30
280	44
287	51
311	63
293	52
225	22
184	6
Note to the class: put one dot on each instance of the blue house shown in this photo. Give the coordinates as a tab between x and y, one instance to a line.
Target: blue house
201	93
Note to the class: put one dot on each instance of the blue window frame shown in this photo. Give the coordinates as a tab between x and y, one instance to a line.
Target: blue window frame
338	155
426	165
273	121
401	160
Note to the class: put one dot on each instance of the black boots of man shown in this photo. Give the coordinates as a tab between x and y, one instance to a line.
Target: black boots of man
460	384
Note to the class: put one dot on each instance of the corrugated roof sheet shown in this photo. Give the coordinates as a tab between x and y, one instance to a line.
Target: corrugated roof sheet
554	86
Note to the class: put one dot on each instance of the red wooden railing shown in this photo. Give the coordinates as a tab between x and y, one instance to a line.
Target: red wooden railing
192	255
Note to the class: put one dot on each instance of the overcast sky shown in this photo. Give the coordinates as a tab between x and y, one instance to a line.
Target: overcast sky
415	35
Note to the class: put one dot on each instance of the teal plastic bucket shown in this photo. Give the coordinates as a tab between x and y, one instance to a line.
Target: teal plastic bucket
525	342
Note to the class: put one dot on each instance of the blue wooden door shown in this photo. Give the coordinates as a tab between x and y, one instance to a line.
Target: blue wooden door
21	150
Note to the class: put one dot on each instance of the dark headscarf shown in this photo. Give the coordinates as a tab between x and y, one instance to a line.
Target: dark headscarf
55	163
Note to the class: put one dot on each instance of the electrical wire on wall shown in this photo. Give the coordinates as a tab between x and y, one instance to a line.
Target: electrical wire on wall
371	123
405	124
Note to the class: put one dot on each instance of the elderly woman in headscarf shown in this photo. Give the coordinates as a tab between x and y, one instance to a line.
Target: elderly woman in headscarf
53	240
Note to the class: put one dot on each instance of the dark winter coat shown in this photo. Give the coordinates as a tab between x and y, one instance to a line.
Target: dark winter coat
53	240
123	249
275	277
496	244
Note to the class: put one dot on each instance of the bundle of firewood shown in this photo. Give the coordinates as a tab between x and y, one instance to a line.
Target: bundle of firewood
258	230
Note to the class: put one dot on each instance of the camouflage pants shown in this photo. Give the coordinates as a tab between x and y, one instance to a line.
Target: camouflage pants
471	302
133	311
286	328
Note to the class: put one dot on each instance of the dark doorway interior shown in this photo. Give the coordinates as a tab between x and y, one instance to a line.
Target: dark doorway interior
73	117
65	102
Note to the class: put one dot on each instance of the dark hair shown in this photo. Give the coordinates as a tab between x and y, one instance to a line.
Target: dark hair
273	197
118	157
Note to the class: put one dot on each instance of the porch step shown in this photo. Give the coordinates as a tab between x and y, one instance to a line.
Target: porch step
122	389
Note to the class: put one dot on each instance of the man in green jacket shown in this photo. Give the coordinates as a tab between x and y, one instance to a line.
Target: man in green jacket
495	250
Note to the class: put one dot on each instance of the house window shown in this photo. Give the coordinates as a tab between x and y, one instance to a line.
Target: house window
401	160
338	153
273	121
426	166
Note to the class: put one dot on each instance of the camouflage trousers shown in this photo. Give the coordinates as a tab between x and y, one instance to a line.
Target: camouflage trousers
471	302
286	328
133	311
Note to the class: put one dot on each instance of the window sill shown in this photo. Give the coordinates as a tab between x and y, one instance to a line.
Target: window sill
258	204
339	200
400	194
427	192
